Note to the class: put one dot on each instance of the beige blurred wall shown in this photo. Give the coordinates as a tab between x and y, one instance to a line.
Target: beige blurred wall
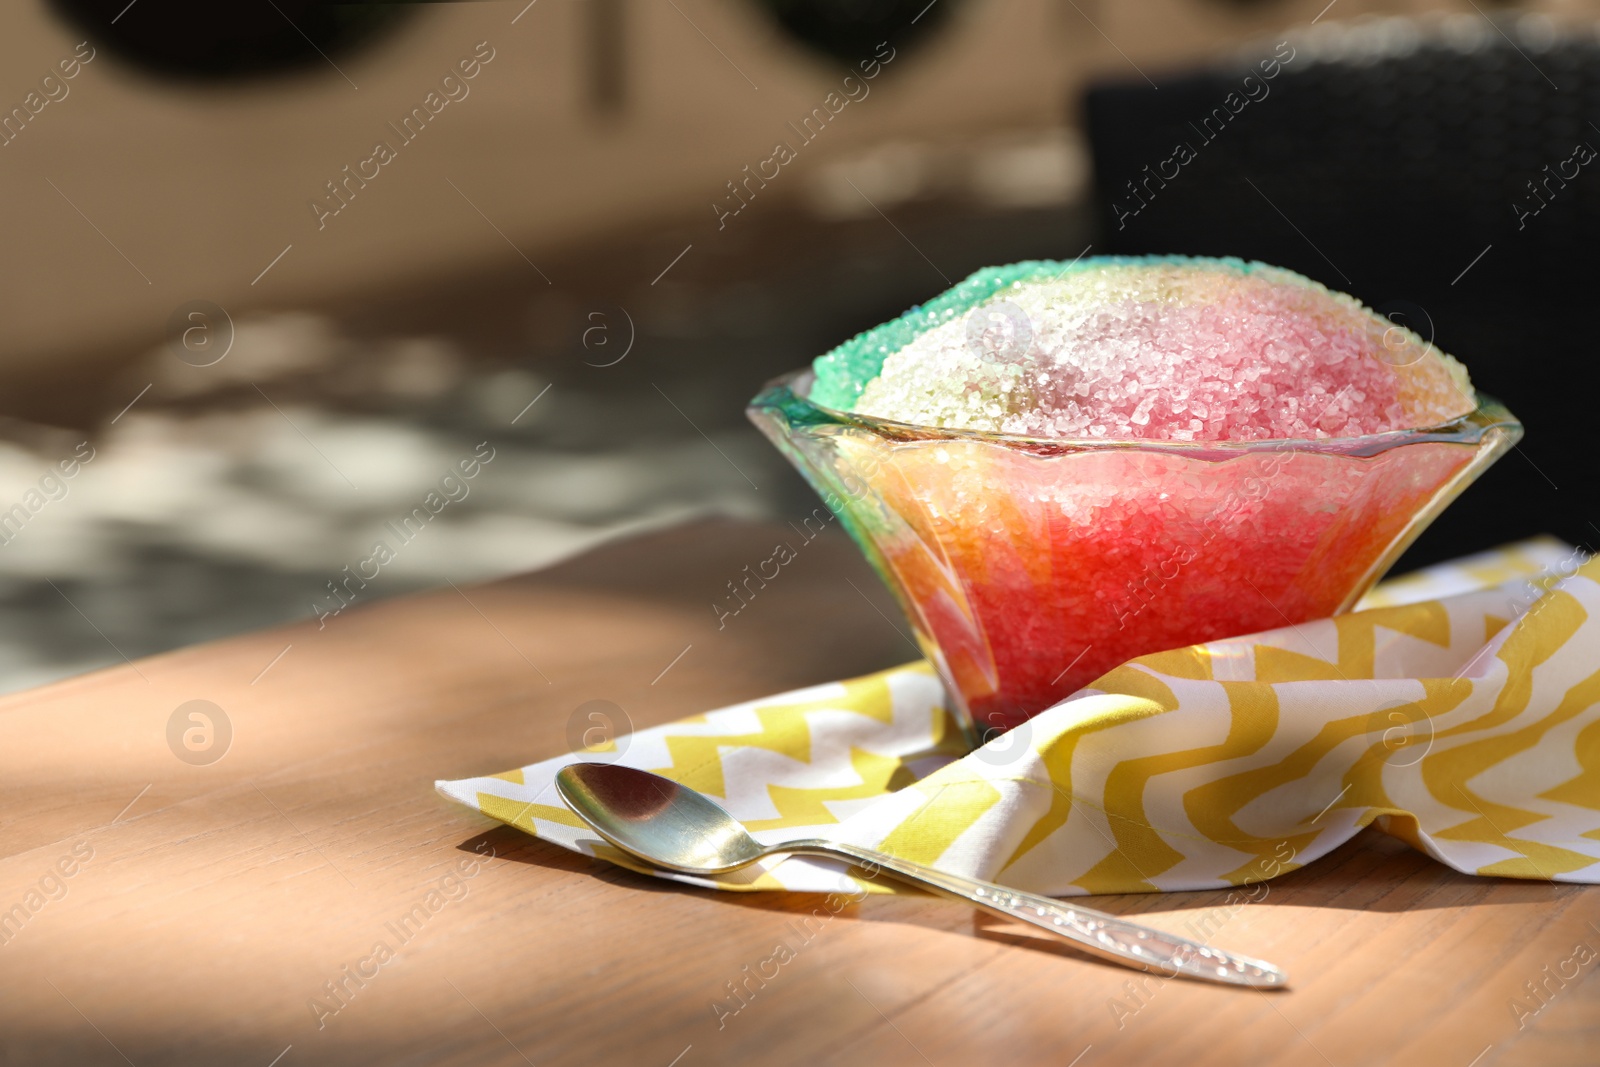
199	191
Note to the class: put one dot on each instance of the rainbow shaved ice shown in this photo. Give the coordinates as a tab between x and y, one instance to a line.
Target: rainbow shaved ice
1060	467
1167	349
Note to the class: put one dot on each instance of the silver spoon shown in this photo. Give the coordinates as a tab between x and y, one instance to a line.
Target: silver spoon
672	826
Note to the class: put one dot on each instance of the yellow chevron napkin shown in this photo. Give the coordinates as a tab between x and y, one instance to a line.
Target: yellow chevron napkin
1458	709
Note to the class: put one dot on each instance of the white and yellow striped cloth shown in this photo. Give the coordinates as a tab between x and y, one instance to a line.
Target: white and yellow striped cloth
1459	710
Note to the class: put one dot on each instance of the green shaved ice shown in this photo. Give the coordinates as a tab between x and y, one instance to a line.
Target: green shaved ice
844	372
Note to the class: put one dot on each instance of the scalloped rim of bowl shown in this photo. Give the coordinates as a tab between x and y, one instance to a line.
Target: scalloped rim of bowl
1471	428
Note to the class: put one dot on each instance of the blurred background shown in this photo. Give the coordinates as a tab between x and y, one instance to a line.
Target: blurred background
272	276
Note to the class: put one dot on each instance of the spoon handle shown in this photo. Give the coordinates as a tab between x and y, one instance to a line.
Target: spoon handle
1103	935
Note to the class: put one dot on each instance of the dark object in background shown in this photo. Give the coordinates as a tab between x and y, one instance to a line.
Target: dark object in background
606	38
849	30
1430	169
238	39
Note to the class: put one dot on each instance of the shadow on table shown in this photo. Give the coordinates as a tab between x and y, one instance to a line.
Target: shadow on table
1373	872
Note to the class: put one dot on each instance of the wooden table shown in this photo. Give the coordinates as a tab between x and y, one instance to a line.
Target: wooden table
208	903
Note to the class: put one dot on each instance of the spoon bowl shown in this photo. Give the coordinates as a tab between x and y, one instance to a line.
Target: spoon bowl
658	819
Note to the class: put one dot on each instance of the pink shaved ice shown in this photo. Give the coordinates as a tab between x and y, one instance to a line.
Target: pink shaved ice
1169	349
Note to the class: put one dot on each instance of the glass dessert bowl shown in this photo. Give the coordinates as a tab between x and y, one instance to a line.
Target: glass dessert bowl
1029	567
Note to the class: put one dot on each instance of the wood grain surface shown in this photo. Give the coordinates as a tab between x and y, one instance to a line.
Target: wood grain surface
208	904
